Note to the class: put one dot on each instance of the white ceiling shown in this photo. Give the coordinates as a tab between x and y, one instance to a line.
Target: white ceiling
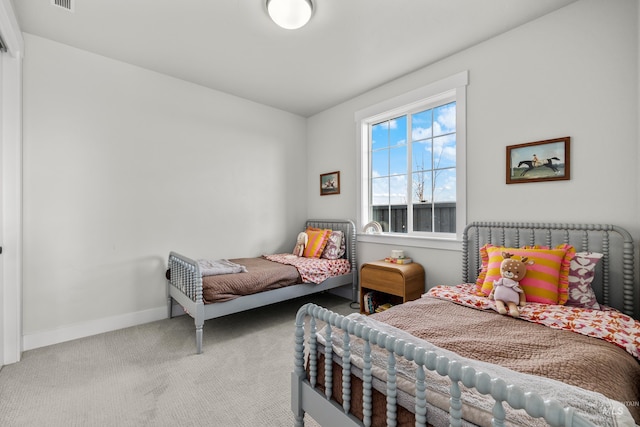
348	48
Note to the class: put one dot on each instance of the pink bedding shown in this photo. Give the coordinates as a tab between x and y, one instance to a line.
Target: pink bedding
314	270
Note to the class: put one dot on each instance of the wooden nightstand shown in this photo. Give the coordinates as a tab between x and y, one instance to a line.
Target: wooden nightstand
395	283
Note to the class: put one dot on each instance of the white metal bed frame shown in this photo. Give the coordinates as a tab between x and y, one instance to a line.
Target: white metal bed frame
614	285
185	284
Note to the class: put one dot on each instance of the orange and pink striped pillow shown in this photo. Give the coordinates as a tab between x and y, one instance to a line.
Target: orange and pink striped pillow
318	239
546	281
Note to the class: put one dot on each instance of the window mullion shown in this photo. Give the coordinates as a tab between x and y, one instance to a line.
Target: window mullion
409	174
389	210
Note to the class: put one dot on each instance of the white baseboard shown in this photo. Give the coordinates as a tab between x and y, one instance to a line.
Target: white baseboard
108	324
94	327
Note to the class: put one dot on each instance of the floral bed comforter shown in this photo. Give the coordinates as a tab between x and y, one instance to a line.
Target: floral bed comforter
313	270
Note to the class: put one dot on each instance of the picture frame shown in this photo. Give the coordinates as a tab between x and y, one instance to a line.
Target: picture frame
330	183
547	160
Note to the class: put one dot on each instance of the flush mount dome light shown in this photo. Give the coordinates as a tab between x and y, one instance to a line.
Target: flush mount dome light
290	14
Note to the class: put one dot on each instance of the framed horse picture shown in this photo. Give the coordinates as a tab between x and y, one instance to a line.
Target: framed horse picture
547	160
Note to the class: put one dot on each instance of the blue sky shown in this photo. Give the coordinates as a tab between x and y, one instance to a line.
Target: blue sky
431	131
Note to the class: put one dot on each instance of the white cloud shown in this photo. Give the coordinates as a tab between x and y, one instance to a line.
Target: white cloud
420	133
446	118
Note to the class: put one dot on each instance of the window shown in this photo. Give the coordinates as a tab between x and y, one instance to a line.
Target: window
413	161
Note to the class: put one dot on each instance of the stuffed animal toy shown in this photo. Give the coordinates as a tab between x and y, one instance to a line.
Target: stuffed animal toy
301	243
507	290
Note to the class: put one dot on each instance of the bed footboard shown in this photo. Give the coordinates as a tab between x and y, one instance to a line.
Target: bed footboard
306	397
185	286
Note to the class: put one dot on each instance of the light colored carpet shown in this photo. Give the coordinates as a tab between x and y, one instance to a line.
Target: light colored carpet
149	375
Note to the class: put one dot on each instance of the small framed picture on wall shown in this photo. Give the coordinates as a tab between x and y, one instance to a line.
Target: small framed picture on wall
330	183
547	160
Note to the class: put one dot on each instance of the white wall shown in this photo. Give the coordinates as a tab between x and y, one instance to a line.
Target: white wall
571	73
11	183
122	165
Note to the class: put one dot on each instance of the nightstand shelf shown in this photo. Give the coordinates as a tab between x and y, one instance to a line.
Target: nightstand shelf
393	283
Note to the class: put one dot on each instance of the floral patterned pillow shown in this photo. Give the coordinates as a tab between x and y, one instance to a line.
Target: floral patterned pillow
318	239
581	273
335	246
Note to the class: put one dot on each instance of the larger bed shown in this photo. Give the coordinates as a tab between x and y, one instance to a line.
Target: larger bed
264	280
450	359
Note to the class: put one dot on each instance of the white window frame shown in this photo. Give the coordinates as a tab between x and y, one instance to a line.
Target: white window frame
452	88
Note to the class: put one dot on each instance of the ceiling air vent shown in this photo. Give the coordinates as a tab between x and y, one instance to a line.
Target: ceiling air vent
65	4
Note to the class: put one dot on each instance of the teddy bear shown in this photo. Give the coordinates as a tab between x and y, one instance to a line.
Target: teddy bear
301	243
507	290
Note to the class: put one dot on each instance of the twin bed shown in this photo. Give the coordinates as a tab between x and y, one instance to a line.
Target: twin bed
267	279
449	358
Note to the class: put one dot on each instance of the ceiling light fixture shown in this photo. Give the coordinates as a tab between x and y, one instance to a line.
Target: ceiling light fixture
290	14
